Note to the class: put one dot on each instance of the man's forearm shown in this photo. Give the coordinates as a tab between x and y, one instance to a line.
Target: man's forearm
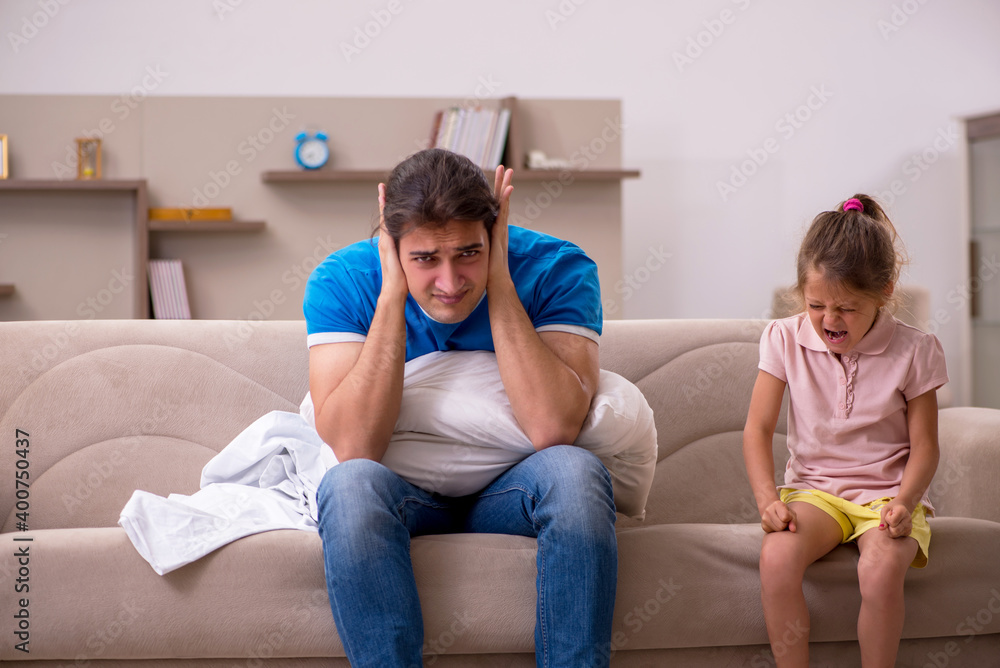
549	399
358	417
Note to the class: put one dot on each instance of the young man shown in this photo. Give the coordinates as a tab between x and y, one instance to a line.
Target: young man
448	274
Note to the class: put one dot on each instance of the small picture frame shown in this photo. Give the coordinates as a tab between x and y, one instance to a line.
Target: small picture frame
88	158
3	157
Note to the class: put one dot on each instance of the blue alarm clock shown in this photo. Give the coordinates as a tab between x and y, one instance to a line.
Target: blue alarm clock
311	152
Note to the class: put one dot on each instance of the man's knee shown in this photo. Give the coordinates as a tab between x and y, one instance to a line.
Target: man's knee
571	465
351	482
576	478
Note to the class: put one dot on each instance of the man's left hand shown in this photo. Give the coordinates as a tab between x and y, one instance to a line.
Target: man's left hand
499	269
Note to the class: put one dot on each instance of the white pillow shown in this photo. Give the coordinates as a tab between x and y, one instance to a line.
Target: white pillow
456	430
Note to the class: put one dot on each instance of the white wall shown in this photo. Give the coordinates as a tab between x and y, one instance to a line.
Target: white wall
888	80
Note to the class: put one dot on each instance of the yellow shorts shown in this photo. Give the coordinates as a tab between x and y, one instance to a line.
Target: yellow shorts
855	519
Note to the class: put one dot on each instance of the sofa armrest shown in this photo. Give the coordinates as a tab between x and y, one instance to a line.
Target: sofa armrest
965	482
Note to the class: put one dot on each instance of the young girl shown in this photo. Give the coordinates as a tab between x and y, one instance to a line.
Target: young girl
862	431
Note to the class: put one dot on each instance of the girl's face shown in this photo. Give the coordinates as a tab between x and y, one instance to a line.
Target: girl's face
841	318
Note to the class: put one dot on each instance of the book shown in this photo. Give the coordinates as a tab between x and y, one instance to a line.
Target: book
168	290
498	140
478	133
189	215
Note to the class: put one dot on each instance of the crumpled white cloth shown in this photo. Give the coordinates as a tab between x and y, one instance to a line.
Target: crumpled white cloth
455	433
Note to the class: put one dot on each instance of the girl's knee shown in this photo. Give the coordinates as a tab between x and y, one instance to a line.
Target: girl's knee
780	564
882	579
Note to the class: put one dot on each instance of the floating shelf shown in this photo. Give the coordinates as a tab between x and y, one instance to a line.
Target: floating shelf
136	189
323	175
577	174
72	184
206	226
361	175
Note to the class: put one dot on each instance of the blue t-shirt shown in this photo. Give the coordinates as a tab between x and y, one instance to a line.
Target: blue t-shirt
555	280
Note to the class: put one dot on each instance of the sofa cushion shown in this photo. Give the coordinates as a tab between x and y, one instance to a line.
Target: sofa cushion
266	593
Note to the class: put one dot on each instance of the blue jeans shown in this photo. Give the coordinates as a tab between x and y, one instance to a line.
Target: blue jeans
561	496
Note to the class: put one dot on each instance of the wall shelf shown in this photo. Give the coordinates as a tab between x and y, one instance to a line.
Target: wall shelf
141	224
373	175
103	224
99	185
206	226
514	155
323	175
134	187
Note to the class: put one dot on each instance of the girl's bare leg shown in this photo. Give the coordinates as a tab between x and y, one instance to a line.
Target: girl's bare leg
784	557
881	571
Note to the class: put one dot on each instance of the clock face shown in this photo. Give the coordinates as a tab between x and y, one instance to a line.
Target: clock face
313	153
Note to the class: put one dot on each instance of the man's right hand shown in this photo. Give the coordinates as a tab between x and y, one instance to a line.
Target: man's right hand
393	278
357	387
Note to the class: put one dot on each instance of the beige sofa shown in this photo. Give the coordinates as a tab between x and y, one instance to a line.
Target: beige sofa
112	406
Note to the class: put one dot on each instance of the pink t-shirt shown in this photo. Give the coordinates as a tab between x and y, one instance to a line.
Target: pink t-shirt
847	429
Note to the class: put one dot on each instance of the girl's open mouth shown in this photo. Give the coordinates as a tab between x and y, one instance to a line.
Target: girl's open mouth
835	337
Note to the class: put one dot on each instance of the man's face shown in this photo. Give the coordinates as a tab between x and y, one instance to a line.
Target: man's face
446	267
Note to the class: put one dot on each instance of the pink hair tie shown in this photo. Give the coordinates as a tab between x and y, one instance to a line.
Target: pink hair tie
854	204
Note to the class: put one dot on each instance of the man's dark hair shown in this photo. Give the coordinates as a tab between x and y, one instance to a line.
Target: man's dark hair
434	187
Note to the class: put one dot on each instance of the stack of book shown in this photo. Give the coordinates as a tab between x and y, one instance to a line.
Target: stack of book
168	291
190	215
477	133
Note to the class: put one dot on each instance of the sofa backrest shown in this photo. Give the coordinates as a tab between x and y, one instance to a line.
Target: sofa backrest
697	376
118	405
113	406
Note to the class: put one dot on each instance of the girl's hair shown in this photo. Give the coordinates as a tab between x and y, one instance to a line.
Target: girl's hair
433	187
857	248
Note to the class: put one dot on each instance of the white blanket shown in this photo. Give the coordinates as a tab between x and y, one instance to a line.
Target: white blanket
456	432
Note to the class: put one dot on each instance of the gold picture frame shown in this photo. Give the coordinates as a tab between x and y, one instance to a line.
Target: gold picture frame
88	158
3	157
